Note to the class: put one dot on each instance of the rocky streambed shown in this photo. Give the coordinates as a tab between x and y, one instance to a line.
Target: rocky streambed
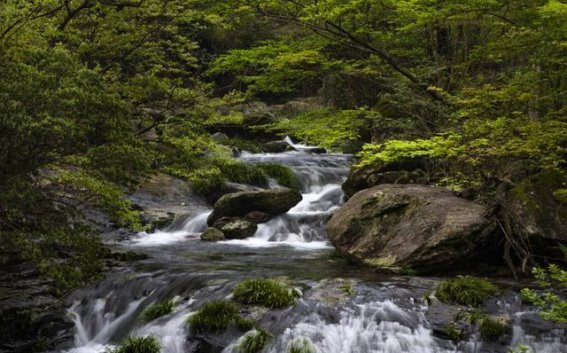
338	307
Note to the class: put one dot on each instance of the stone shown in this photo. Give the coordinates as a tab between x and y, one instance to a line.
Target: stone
212	234
257	217
235	228
424	228
277	147
273	202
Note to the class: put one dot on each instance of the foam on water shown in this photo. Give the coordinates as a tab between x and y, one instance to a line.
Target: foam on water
191	228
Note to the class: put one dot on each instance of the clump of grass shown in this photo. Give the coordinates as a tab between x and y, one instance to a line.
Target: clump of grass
264	292
157	310
347	288
213	317
254	341
465	290
147	344
492	329
301	345
284	175
453	332
244	324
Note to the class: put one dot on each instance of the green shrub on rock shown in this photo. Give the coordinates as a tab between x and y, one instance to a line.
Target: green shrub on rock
254	341
492	329
465	290
213	317
264	292
147	344
301	345
157	310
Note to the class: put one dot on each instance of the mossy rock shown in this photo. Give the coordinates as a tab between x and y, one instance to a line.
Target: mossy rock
235	228
147	344
273	202
214	316
212	234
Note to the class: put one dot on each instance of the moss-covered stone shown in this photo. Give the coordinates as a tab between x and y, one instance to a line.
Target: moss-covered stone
212	234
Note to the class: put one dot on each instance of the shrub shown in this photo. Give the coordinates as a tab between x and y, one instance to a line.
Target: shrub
147	344
213	317
264	292
254	341
465	290
301	345
553	306
491	329
284	175
157	310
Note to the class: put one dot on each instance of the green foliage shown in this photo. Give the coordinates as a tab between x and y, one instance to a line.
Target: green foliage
213	317
254	341
264	292
147	344
552	304
301	345
492	329
336	130
284	175
453	332
560	195
244	324
157	310
465	290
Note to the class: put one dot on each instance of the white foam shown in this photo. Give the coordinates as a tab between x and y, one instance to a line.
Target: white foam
190	229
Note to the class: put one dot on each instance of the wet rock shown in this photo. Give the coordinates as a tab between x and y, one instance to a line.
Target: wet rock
273	202
277	147
212	234
257	217
314	150
422	227
235	228
231	188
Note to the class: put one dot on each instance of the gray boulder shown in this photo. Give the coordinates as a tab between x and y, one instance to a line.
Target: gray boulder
235	228
422	227
273	202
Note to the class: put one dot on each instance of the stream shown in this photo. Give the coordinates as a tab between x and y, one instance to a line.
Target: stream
384	314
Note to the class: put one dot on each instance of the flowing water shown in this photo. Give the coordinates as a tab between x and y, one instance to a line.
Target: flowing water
383	315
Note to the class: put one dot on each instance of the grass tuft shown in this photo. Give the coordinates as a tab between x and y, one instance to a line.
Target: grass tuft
465	290
147	344
301	345
157	310
264	292
213	317
492	329
254	341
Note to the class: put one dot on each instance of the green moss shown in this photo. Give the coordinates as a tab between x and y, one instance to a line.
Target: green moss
244	145
213	317
264	292
467	290
453	332
254	341
284	175
137	345
301	345
492	329
239	172
157	310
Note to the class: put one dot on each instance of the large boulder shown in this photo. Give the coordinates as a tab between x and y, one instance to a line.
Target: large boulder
425	228
273	202
536	215
235	228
